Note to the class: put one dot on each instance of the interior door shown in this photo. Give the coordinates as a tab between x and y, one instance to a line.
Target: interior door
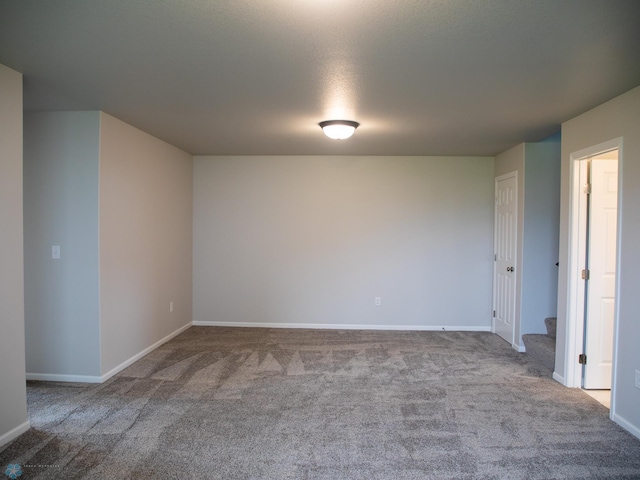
505	239
601	263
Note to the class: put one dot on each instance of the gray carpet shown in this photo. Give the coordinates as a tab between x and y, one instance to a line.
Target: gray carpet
224	403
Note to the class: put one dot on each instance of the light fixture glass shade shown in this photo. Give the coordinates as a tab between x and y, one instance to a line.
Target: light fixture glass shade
338	129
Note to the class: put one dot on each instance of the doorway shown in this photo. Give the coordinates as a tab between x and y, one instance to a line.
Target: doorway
593	266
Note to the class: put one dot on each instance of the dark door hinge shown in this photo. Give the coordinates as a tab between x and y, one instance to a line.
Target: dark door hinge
582	359
585	274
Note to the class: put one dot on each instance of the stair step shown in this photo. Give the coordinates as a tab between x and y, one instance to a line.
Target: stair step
541	347
551	323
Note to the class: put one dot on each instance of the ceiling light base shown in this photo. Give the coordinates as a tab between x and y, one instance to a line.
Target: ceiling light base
339	129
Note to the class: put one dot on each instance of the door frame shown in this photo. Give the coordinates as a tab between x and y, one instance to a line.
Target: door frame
576	259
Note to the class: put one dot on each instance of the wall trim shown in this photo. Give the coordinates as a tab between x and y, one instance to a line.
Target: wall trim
519	348
144	352
559	378
53	377
14	433
628	426
336	326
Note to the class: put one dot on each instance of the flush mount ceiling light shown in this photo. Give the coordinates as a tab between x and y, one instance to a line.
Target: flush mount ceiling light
338	129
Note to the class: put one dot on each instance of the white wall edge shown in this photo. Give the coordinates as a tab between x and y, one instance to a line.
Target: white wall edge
628	426
559	378
334	326
54	377
14	433
144	352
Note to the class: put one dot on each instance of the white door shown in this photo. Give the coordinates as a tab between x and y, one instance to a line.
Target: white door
603	203
505	238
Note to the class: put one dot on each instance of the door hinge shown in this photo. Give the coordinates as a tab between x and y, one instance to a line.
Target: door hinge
585	274
495	257
587	188
494	314
582	359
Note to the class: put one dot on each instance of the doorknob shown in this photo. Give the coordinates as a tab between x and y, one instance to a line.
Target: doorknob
509	269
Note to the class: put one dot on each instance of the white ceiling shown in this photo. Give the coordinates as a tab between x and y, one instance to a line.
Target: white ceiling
430	77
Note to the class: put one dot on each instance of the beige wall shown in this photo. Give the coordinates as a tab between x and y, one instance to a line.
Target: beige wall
145	240
540	234
619	117
118	202
311	241
61	208
13	400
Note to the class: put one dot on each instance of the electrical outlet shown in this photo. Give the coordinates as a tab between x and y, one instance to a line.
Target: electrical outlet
170	307
377	301
637	378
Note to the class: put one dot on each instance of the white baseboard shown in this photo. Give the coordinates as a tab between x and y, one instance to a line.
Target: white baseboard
559	378
52	377
628	426
336	326
144	352
519	348
14	433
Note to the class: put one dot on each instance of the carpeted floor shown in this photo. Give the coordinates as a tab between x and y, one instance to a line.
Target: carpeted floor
224	403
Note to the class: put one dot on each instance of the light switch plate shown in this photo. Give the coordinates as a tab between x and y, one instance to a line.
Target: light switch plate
637	378
55	252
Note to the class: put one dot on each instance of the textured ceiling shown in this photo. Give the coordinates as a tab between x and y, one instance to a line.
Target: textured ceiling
430	77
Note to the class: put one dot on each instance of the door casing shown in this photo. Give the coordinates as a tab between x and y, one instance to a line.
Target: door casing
577	255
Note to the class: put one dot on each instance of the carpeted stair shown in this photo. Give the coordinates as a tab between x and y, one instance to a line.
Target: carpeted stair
542	347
